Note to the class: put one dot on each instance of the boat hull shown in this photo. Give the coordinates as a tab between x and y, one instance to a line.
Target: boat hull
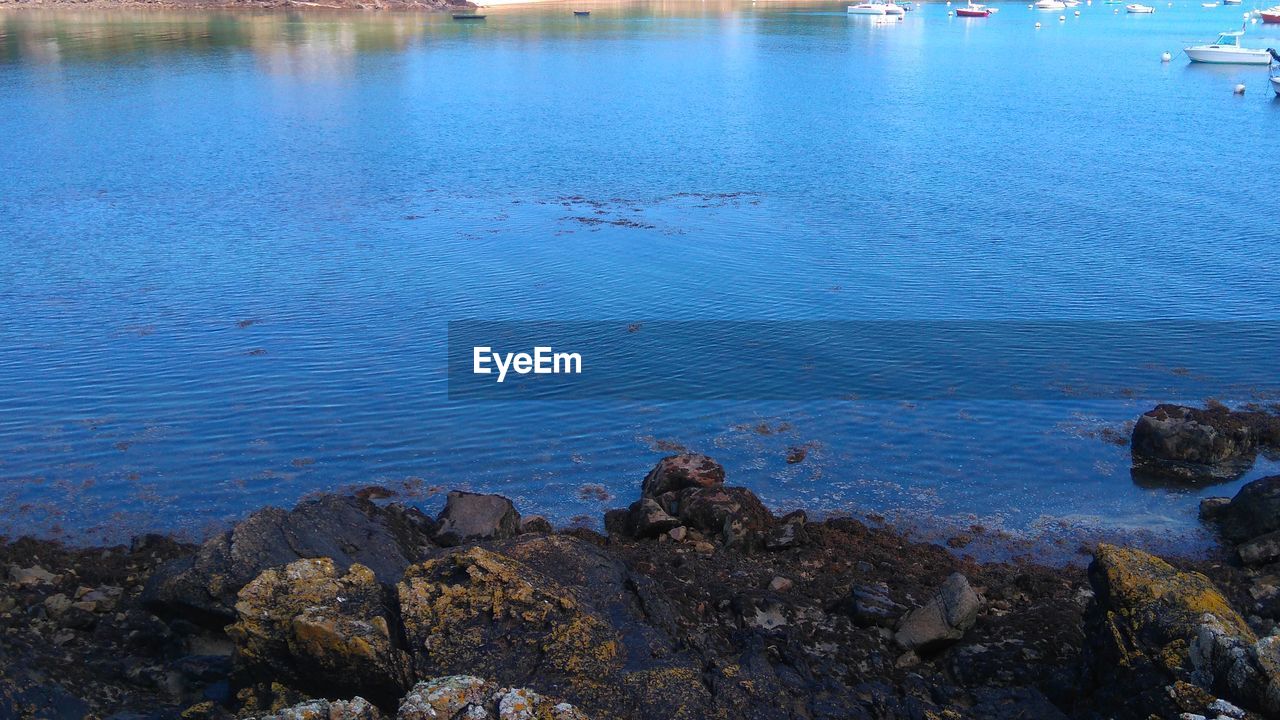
855	10
1275	84
1220	56
1139	10
962	12
1271	17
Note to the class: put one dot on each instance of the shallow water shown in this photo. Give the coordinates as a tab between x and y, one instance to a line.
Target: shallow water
232	243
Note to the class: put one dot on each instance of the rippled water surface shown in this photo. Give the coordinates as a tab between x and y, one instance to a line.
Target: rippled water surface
231	244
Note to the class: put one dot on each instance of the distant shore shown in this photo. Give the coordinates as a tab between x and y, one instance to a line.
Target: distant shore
410	5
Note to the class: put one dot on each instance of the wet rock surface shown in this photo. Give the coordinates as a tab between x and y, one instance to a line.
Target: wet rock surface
732	613
203	587
1180	443
470	517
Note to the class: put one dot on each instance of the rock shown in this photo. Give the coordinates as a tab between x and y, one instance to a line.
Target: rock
1211	508
678	533
789	532
871	606
473	698
945	618
356	708
479	611
647	519
536	524
320	631
29	577
1151	624
780	584
733	514
469	517
56	604
385	539
678	472
1183	443
1260	550
1254	511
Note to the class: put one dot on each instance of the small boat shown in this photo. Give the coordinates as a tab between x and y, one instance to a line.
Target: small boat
868	8
892	8
468	16
1231	2
1050	5
973	10
1209	5
1226	50
1139	9
1271	15
582	13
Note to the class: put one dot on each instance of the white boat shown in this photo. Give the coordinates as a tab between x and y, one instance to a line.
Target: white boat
1139	9
1226	50
1050	5
1209	5
892	8
868	8
1231	2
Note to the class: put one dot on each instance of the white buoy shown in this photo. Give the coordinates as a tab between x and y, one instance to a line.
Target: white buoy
1165	56
1240	89
1077	13
1062	18
1254	21
949	13
1037	26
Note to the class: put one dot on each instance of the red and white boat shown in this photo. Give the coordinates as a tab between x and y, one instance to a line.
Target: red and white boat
1271	15
973	10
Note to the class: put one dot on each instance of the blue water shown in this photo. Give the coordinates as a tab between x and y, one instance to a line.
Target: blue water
231	244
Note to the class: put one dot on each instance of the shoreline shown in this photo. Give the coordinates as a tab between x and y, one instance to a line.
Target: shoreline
695	601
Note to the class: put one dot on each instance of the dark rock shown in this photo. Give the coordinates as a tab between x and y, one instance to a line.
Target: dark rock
647	519
469	517
788	533
356	708
949	613
385	539
1260	550
1211	508
320	631
616	521
1014	703
536	524
466	696
1183	443
732	513
871	605
1254	511
679	472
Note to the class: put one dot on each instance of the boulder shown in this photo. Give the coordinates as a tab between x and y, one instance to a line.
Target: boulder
647	519
319	631
789	532
385	539
1254	511
943	619
473	698
733	514
678	472
1151	625
356	708
470	517
1183	443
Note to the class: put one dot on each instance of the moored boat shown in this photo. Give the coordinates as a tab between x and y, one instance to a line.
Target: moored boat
1139	9
867	8
581	13
1271	15
1050	5
973	10
1226	50
468	16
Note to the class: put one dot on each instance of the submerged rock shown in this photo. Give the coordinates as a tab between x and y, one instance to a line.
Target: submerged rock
346	529
469	517
949	613
1151	625
1183	443
320	631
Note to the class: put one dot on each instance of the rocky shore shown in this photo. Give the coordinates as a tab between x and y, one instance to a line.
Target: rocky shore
695	602
429	5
